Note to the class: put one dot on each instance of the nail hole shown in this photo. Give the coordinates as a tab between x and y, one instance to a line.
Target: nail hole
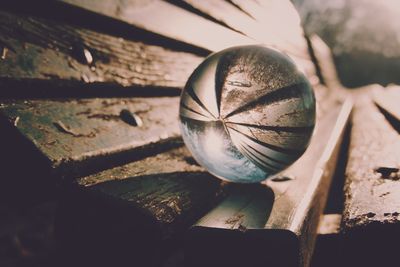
130	118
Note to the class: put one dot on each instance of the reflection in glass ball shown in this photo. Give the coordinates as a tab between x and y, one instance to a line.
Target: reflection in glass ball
247	113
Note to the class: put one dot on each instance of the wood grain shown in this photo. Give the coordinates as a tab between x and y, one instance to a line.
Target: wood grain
279	18
50	58
172	21
282	28
261	31
78	136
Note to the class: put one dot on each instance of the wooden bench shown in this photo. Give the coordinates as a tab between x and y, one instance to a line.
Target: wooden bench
89	114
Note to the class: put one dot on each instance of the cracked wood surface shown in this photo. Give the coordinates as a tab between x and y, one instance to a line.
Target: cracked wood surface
142	207
47	57
76	136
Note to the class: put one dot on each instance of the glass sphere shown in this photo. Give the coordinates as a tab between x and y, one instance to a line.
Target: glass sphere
247	113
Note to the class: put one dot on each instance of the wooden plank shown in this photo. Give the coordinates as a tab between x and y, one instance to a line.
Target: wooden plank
372	204
198	31
249	228
260	31
135	213
172	21
79	136
42	57
236	19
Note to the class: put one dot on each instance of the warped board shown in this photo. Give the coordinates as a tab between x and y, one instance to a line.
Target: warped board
78	136
42	57
179	24
135	214
370	219
274	223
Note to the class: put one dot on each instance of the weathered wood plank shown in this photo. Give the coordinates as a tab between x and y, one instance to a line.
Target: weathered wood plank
198	31
76	136
244	230
135	214
233	17
372	204
172	21
83	61
236	19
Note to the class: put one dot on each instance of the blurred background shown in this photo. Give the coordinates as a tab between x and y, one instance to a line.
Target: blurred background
364	36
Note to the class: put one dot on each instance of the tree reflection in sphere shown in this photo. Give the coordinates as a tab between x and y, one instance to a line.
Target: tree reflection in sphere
247	113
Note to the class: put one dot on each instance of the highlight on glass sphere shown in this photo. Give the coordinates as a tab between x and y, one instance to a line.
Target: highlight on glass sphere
247	113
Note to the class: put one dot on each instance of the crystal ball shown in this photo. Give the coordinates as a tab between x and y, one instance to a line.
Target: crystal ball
247	113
